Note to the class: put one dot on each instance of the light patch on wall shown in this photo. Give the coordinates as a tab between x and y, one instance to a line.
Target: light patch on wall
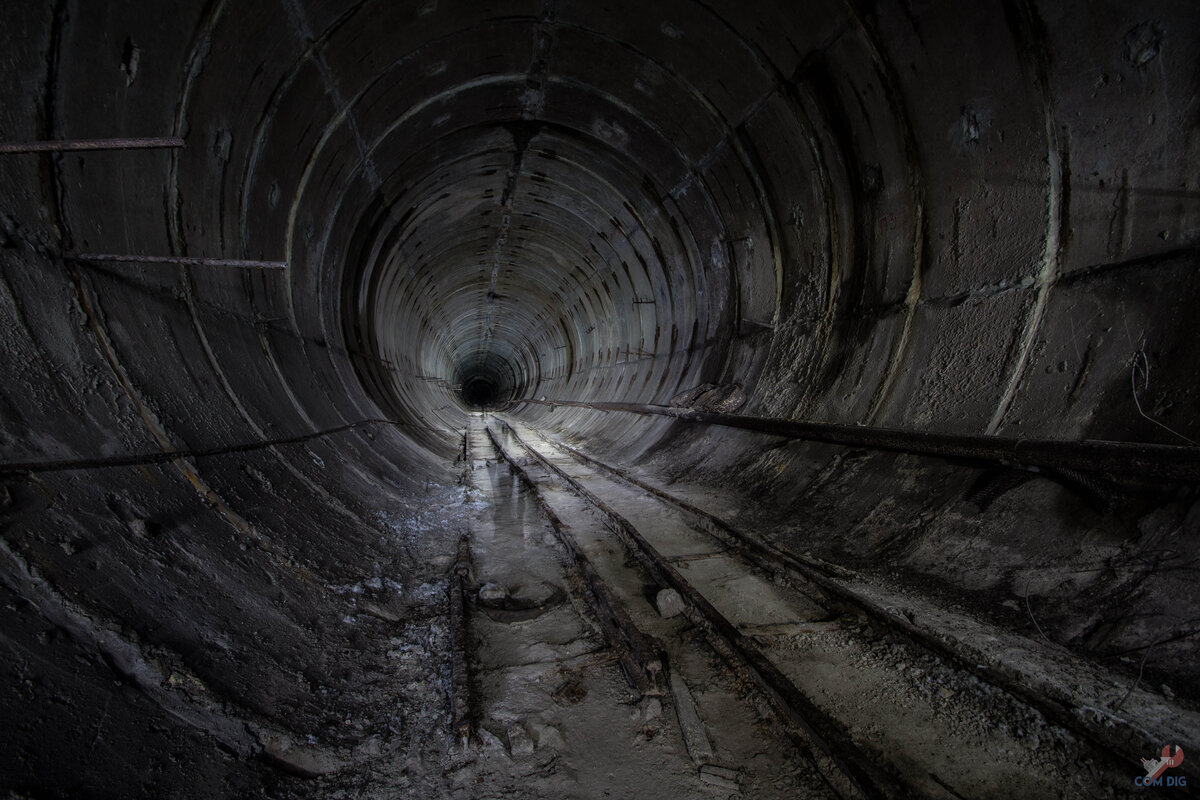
610	132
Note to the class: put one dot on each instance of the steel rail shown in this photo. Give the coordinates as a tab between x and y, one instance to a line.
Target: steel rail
1115	741
639	655
461	712
819	728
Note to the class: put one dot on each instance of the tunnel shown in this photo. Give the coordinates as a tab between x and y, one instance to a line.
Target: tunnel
590	398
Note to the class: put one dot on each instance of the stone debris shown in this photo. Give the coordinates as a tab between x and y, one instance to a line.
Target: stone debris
669	603
492	594
548	737
519	743
489	742
651	709
721	777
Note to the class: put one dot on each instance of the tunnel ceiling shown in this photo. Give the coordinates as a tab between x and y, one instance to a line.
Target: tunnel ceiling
858	213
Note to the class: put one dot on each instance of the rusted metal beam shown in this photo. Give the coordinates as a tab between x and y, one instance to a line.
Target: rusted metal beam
1113	458
69	145
461	721
189	261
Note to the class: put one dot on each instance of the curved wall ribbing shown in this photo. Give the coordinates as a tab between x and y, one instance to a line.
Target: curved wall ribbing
976	218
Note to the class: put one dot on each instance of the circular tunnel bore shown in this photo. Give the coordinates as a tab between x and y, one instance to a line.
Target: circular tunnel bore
542	255
232	497
480	392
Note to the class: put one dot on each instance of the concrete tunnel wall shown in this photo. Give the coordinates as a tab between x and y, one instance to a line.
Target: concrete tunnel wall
976	218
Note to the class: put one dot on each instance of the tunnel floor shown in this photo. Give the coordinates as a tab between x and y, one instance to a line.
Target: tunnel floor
611	635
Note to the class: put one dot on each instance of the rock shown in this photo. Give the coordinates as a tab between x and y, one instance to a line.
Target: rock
492	594
489	742
652	709
721	777
669	603
548	737
519	743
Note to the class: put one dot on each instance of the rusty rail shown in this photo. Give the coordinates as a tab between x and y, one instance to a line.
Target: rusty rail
1116	741
816	726
639	655
461	719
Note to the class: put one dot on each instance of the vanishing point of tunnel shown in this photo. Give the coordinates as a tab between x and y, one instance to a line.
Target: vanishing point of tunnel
599	399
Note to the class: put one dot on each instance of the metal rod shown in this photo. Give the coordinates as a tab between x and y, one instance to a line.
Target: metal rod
184	260
460	673
1115	458
162	457
64	145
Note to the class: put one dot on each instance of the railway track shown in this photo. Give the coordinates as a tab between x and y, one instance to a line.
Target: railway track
594	670
1017	669
809	636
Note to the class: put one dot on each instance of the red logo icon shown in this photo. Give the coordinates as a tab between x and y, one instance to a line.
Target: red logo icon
1157	766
